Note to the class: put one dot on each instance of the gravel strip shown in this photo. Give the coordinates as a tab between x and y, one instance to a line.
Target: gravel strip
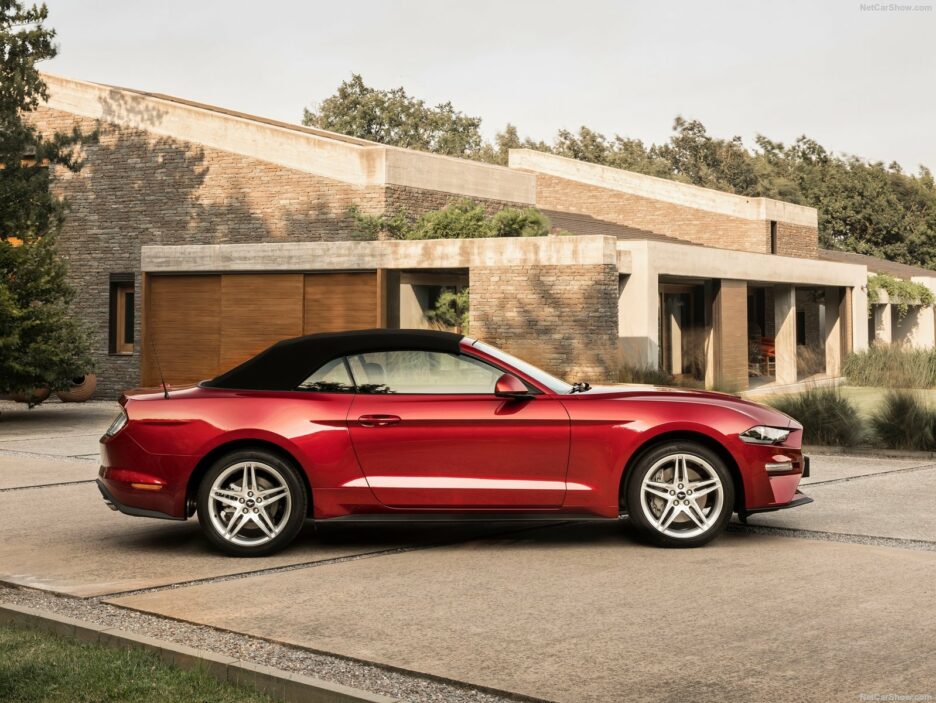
918	545
368	677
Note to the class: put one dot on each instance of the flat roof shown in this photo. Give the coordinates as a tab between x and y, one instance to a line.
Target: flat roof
876	264
662	189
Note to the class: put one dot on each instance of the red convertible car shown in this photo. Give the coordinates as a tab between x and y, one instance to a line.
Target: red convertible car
379	425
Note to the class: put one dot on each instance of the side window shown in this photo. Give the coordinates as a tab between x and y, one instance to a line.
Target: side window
422	372
331	378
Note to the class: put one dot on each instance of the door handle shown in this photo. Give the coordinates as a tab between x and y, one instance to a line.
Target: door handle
378	420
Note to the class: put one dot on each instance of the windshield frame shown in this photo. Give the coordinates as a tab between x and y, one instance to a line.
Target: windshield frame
534	373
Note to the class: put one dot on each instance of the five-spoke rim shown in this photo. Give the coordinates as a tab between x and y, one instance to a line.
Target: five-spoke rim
682	495
249	503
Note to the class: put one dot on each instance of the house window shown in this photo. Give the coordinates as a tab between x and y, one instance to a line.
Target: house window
773	236
801	328
121	313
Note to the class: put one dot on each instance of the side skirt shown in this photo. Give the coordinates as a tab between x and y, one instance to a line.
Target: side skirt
468	517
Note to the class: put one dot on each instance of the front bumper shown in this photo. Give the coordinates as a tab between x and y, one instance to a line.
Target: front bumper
798	500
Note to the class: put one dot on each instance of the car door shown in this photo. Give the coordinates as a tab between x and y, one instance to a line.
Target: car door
429	433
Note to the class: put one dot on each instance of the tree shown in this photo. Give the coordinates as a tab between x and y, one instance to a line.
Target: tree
41	344
865	207
392	117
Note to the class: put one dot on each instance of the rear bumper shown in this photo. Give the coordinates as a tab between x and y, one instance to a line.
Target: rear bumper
114	504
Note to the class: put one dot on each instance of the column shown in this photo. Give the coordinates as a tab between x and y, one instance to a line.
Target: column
883	328
833	332
729	323
785	340
639	312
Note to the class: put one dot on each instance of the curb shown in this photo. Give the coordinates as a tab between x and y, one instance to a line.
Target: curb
282	685
868	452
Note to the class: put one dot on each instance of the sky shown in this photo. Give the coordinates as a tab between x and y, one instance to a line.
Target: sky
857	79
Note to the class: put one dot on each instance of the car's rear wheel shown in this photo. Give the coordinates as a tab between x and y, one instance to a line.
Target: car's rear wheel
680	494
251	503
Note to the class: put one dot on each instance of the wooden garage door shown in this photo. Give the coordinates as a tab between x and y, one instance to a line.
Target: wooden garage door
335	302
182	323
258	310
203	325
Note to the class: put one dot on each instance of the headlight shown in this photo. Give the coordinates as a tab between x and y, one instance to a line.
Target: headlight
117	425
765	435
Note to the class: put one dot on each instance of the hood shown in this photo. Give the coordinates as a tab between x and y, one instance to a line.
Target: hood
758	412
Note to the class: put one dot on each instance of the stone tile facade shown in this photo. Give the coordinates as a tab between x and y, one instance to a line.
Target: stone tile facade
675	220
138	188
561	318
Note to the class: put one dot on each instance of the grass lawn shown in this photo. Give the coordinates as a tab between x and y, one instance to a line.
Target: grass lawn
38	667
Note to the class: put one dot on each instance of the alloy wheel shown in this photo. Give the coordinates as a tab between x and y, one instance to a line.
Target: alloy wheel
249	503
682	495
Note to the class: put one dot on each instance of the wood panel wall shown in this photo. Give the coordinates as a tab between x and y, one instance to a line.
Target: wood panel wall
202	325
340	301
258	310
182	317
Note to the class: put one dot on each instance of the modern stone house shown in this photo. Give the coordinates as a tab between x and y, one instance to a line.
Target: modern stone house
201	235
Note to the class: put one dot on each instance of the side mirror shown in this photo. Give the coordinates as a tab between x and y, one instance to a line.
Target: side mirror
509	386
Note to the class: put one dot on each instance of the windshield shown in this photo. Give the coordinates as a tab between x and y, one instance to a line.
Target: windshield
554	384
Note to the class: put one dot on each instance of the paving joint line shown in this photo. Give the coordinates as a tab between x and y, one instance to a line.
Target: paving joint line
11	489
906	469
313	564
841	537
46	437
78	458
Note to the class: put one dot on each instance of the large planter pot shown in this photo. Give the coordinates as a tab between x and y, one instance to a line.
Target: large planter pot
32	397
81	390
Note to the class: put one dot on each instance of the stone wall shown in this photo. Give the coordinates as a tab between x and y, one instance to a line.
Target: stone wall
562	318
137	188
795	240
688	223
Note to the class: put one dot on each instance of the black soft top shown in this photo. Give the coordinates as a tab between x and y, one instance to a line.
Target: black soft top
288	363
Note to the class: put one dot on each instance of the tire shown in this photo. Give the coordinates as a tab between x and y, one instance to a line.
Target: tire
234	517
669	511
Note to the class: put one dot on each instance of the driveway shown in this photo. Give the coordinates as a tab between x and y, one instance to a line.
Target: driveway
826	602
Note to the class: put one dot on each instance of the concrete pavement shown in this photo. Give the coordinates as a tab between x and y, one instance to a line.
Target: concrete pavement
564	612
55	429
582	613
21	470
898	504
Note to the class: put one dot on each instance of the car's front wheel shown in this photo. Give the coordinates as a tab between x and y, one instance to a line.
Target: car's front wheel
251	503
680	494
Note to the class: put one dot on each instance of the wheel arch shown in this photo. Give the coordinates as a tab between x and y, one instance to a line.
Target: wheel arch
201	468
686	436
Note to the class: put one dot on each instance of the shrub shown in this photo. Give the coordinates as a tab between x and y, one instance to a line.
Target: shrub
630	373
827	417
450	310
904	420
462	219
891	366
